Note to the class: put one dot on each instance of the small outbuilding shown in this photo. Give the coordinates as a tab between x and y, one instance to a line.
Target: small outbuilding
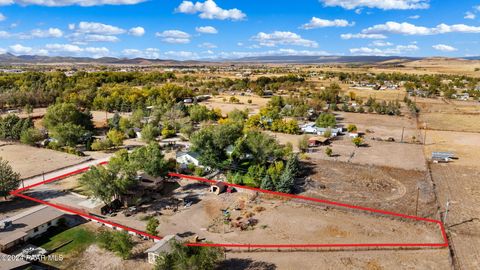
316	141
218	187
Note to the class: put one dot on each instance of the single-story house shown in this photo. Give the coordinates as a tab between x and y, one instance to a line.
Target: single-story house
316	141
162	246
147	184
26	225
311	128
186	158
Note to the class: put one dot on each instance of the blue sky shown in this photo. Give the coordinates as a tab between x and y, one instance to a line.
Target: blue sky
177	29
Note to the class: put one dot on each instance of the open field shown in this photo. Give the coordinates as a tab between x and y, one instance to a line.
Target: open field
217	102
30	161
451	116
459	185
372	186
368	260
466	146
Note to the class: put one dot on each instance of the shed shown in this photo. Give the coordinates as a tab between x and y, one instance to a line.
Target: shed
316	141
218	187
161	247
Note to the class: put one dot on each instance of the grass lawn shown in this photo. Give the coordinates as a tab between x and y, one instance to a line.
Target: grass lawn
81	237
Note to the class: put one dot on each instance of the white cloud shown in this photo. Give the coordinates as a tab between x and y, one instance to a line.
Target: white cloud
71	26
414	17
137	31
149	53
174	36
381	43
279	52
380	4
69	48
363	36
98	28
444	48
49	33
411	29
62	3
20	49
82	38
207	45
210	10
2	17
397	50
320	23
72	49
206	30
283	38
182	55
470	15
5	34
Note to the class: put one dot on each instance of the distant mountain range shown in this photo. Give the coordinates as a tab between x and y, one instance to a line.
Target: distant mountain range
10	59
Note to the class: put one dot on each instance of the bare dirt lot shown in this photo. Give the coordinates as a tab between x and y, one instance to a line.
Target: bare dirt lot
373	186
369	260
30	161
451	116
222	102
466	146
459	185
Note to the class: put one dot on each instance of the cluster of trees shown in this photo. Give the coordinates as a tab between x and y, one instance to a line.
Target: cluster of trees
41	89
68	126
260	85
183	257
412	106
114	180
384	107
13	127
326	120
249	154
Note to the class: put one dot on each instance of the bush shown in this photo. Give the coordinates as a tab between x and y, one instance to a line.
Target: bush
329	151
101	145
351	128
118	242
31	136
168	132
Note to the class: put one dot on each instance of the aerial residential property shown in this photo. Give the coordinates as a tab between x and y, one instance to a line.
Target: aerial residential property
252	135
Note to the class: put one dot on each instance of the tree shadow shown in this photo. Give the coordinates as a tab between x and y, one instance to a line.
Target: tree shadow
245	264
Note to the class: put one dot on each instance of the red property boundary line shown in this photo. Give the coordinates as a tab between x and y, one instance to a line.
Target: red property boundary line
18	193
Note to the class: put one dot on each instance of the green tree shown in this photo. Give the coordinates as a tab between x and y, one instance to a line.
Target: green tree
150	133
303	143
325	120
182	257
106	183
68	134
150	159
152	226
267	183
199	113
9	180
31	136
120	243
101	145
116	137
114	122
67	113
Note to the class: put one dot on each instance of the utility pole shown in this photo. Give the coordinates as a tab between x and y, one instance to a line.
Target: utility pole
416	202
425	136
446	213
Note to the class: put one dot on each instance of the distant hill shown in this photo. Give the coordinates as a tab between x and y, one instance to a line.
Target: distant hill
7	59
